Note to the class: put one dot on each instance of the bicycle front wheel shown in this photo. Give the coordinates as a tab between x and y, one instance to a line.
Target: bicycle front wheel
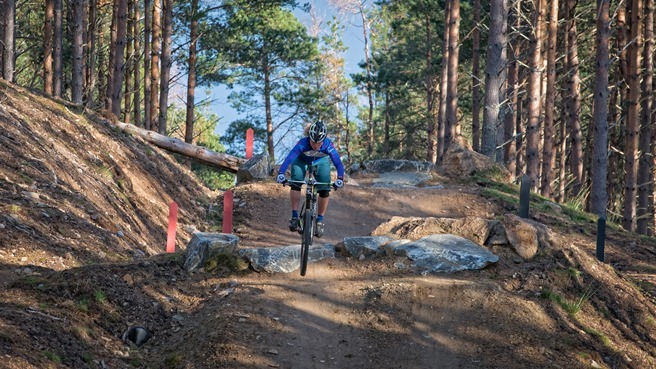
308	228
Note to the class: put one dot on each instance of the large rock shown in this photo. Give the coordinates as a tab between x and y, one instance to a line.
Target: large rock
205	246
473	228
461	162
445	253
390	165
256	168
522	236
284	259
367	247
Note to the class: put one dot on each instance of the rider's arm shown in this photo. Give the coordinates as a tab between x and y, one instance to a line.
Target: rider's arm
293	154
334	156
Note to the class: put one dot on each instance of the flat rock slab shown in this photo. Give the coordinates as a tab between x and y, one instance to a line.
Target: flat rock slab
445	253
284	259
400	179
204	246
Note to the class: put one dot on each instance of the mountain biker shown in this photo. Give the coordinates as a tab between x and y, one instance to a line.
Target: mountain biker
314	149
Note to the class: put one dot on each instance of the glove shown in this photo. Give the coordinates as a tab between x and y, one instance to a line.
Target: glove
281	178
339	183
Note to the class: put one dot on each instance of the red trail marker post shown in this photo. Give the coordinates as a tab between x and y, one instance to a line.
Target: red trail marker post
249	143
227	212
173	220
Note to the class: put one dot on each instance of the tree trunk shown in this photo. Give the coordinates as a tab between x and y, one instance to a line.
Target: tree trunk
267	108
452	128
166	66
476	81
47	46
147	62
154	65
495	65
510	147
129	59
78	52
223	161
370	92
574	105
633	119
91	54
57	57
645	166
191	74
136	63
431	122
441	115
548	152
8	40
118	63
535	78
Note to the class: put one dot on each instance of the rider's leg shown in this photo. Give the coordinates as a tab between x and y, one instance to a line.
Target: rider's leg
322	205
295	197
323	175
297	174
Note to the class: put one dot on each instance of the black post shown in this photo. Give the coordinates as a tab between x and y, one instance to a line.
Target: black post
601	238
524	196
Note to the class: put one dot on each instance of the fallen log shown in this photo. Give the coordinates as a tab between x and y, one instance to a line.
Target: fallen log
202	155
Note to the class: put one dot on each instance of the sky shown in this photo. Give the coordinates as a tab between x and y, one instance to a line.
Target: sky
352	39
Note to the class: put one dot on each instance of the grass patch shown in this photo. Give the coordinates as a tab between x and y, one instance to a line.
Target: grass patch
225	262
100	296
52	357
87	357
599	336
173	360
6	337
83	304
501	196
571	307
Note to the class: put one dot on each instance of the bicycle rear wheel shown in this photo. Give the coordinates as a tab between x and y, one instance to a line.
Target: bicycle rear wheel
308	229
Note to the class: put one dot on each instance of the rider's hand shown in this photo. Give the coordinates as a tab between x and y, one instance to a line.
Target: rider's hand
339	183
281	178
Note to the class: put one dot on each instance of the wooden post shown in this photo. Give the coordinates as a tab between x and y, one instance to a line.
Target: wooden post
227	212
249	143
173	220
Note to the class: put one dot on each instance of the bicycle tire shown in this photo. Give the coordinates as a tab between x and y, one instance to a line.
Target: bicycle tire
308	229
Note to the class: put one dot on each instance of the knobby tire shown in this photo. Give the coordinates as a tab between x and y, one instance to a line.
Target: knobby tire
308	230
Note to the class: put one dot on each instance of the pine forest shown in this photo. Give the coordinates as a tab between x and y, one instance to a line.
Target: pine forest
561	93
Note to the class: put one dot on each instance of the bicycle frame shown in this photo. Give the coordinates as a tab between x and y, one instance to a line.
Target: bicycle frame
308	214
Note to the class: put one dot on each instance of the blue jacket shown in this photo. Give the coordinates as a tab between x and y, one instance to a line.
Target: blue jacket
304	152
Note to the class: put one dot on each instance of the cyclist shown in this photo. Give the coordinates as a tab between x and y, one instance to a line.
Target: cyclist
314	149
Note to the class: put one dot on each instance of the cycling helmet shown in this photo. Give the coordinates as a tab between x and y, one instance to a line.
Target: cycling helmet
317	131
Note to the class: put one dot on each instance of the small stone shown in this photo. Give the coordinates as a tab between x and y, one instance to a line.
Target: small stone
273	352
120	234
23	259
517	260
362	257
2	226
242	320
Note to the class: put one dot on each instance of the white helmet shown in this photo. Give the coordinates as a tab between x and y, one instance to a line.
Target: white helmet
317	131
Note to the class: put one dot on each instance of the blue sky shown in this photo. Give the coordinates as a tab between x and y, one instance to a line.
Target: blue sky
352	39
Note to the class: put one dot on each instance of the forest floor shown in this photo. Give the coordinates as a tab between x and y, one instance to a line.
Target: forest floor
83	217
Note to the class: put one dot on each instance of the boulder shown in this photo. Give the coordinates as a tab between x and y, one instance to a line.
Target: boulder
473	228
284	259
256	168
204	246
369	247
445	253
461	162
522	235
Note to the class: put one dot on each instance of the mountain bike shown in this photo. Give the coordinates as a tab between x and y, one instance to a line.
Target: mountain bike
308	213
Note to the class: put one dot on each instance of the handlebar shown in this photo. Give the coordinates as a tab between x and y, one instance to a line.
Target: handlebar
310	183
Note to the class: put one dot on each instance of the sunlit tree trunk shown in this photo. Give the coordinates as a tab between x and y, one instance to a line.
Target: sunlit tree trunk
598	192
452	128
136	64
57	73
148	12
118	62
8	40
166	65
510	119
129	59
47	46
633	118
548	152
431	121
534	85
441	115
92	58
573	104
78	51
191	74
154	64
